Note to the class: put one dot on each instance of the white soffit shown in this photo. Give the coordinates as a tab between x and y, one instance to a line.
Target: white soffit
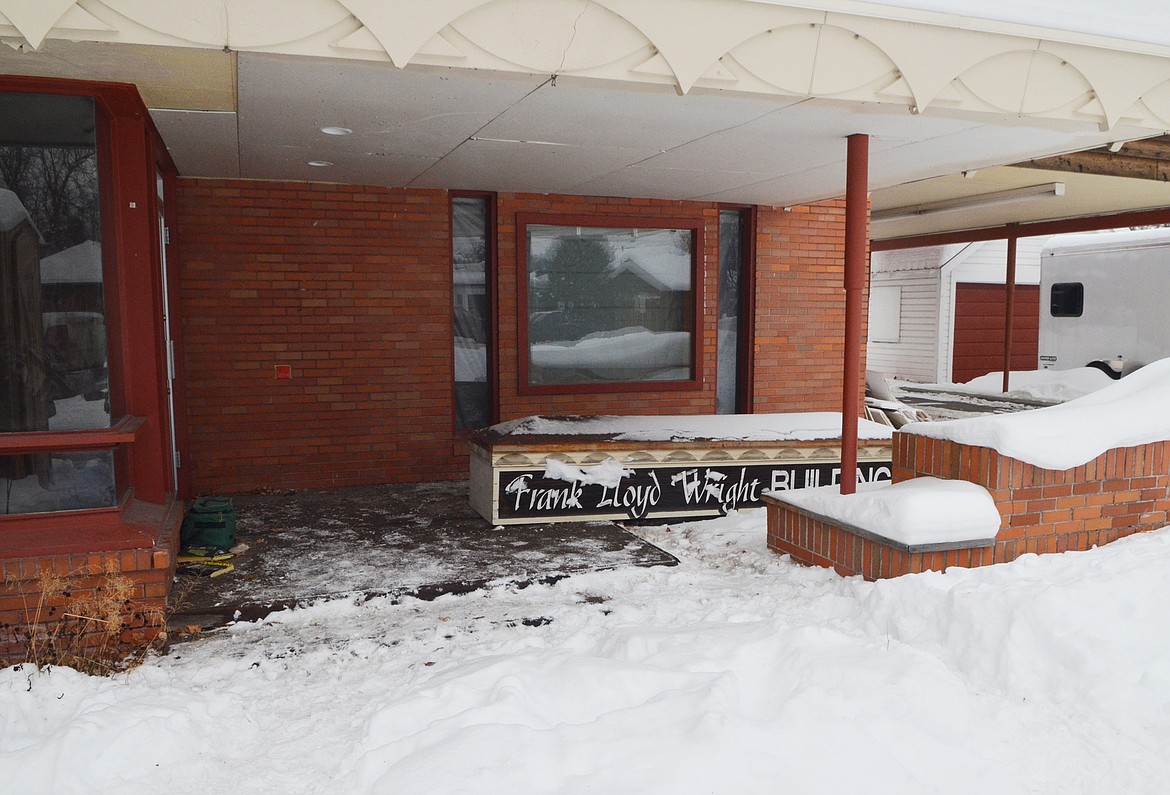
402	121
1084	195
202	143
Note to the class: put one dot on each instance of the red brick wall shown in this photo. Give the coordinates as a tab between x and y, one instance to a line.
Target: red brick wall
800	308
1120	492
348	285
351	287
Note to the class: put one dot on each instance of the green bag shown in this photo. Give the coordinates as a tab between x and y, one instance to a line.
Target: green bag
210	522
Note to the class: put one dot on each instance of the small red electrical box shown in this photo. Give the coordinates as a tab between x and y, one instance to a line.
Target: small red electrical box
283	372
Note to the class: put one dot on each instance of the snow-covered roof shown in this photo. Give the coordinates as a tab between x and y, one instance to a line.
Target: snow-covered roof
1129	412
80	264
12	211
916	259
1104	241
657	260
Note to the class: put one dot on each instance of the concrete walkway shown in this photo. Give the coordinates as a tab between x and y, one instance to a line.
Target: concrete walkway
409	539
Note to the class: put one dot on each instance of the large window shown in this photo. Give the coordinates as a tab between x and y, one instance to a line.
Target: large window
53	354
470	255
608	302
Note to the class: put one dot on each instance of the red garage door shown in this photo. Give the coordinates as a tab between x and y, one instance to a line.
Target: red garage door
978	346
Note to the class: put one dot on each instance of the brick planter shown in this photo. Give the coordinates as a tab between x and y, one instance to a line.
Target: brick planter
1119	493
67	577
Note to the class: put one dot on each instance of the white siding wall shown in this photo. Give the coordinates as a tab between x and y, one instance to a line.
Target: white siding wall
913	356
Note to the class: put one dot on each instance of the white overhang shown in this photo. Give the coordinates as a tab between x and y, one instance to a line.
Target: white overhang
736	101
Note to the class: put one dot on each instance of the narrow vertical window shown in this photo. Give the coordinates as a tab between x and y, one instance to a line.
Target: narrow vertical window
470	255
731	268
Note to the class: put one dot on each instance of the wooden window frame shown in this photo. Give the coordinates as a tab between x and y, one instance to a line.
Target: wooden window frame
695	225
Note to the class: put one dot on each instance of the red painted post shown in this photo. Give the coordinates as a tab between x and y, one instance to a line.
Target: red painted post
856	240
1009	306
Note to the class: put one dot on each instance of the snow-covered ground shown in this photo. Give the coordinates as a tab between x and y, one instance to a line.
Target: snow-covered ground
736	672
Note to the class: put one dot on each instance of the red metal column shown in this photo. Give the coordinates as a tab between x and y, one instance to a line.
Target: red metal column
856	240
1009	308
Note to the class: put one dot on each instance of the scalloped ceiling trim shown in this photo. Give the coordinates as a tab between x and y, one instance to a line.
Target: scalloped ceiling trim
78	19
403	27
34	20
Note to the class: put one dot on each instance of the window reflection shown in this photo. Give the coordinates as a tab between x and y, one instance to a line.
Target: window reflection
730	270
609	304
53	325
53	350
469	255
57	482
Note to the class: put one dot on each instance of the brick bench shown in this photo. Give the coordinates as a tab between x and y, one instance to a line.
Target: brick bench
1120	492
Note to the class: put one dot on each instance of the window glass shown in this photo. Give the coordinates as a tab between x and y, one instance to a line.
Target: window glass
56	482
1068	299
53	359
472	315
885	313
609	304
53	368
730	299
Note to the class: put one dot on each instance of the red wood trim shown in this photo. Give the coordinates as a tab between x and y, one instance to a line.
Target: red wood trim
125	431
697	225
132	524
87	519
1156	217
179	395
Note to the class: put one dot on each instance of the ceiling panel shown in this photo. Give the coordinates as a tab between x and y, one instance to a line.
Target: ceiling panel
666	183
202	143
604	113
495	165
394	114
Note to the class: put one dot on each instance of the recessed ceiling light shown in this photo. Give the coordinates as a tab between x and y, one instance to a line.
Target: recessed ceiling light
320	163
336	130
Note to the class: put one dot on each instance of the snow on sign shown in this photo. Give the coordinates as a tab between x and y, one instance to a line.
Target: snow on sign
571	469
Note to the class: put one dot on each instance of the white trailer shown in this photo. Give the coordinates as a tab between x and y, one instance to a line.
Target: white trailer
1105	300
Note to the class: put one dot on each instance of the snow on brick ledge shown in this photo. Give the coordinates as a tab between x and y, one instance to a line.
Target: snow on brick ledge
1128	413
924	512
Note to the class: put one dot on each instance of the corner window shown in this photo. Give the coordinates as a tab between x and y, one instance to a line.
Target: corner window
53	354
608	301
1068	299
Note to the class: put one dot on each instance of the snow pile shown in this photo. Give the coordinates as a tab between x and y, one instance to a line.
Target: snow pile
736	672
808	426
608	473
1048	385
920	511
12	211
1129	412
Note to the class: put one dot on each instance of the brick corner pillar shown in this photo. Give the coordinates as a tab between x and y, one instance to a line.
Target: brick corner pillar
856	239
